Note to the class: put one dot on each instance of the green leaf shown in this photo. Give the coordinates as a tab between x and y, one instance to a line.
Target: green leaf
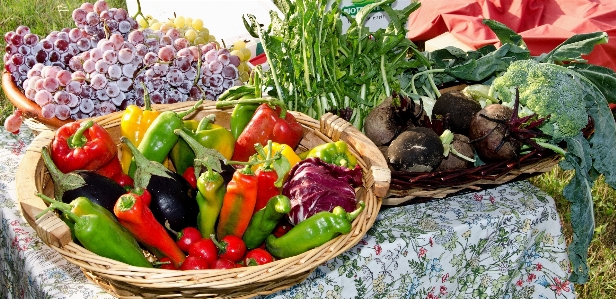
505	34
602	77
574	47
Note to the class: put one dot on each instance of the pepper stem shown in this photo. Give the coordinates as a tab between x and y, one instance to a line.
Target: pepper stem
56	205
168	227
270	101
191	110
146	99
126	202
62	181
203	156
221	246
145	168
352	215
78	140
205	122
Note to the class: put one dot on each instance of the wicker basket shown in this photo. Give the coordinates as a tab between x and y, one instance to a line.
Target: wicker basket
414	187
126	281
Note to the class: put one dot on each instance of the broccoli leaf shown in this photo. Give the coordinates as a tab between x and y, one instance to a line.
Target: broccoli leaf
602	77
589	158
574	47
505	34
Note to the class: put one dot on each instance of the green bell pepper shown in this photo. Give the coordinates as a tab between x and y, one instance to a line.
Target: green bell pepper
332	152
312	232
264	221
209	135
99	233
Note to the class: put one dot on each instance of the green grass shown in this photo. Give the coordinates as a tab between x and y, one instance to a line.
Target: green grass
43	16
602	252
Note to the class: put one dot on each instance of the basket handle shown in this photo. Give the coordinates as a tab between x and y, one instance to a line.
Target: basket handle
49	228
338	128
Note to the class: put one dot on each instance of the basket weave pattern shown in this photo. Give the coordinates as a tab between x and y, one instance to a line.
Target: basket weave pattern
126	281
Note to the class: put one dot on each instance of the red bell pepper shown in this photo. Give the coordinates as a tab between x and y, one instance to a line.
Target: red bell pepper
82	146
133	212
238	204
267	123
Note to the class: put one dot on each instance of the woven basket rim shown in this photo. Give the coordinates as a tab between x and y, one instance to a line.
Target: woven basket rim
129	280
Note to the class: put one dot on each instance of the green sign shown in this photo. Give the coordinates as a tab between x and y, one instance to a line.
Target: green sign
357	5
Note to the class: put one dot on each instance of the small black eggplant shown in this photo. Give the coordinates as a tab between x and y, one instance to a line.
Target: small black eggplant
173	199
68	186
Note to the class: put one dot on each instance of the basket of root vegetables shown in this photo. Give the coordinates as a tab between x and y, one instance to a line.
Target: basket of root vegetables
505	115
224	199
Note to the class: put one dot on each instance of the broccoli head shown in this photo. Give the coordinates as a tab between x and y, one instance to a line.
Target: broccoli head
548	90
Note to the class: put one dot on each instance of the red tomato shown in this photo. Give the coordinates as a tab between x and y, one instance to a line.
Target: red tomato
187	237
194	263
223	264
257	257
230	247
205	249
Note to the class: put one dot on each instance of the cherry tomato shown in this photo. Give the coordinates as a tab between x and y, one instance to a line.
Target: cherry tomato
223	264
194	263
167	263
189	175
230	247
187	237
257	257
205	249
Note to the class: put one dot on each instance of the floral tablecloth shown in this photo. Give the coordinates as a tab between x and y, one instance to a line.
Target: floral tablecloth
504	242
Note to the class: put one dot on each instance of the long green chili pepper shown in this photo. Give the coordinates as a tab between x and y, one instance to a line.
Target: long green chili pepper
264	221
100	233
312	232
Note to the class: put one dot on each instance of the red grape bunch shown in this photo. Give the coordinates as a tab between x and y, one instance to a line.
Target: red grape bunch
107	63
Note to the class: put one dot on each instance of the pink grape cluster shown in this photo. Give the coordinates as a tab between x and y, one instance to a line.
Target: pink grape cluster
98	20
87	71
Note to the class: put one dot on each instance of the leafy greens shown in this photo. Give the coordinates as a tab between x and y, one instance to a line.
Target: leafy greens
317	68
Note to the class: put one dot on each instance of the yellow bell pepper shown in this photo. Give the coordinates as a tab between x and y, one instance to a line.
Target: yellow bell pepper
133	125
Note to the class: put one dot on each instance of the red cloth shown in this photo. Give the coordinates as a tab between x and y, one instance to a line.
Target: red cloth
543	24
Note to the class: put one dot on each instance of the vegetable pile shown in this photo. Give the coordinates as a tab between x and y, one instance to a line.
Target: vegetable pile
182	200
552	102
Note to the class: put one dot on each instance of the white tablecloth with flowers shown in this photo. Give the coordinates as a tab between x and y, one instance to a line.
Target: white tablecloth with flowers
504	242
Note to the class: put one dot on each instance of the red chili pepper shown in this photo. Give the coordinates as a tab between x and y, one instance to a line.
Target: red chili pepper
82	146
265	185
189	175
230	248
257	257
133	213
113	170
238	204
267	123
282	228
